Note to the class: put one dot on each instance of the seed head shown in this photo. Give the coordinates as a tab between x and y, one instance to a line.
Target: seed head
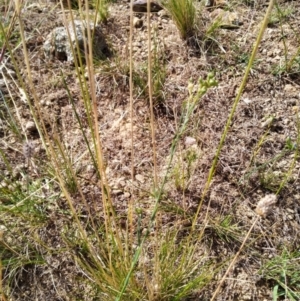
28	149
265	205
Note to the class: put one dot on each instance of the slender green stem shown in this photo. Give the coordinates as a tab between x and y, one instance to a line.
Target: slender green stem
230	118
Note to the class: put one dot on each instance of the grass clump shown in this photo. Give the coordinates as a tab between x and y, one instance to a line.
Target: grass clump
140	81
224	229
158	73
102	8
280	15
283	270
183	13
76	209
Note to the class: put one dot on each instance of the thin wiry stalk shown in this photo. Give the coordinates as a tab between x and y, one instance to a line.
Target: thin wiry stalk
150	96
295	158
212	170
79	66
59	174
8	34
2	295
131	202
229	120
263	208
234	260
82	232
110	222
80	123
258	147
191	104
92	130
150	89
12	120
22	91
28	69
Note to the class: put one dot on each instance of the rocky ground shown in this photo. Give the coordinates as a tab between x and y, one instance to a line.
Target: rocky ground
258	155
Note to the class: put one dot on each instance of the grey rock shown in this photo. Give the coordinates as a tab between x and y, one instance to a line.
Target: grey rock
140	6
59	45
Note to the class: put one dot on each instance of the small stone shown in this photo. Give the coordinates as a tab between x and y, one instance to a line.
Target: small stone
290	88
292	102
163	14
35	7
226	19
137	45
122	183
126	195
117	192
140	6
90	168
140	178
3	228
137	23
209	3
247	100
30	126
267	122
3	184
285	121
221	3
189	141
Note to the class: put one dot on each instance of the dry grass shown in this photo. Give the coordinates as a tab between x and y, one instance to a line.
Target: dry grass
126	182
